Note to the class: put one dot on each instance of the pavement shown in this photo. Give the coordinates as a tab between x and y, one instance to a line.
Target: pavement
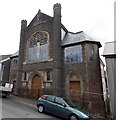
33	102
24	100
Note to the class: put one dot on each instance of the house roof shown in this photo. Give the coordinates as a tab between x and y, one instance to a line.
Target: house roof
110	48
72	38
4	60
15	54
39	18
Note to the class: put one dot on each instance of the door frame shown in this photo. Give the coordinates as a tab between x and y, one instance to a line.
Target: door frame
68	80
30	78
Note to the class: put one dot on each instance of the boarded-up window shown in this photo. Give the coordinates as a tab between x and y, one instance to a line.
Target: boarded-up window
38	47
73	54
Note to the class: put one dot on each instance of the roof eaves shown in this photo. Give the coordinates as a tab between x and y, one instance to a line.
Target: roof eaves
76	43
15	55
64	28
5	60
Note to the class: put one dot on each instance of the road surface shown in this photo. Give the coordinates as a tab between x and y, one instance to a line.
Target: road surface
12	108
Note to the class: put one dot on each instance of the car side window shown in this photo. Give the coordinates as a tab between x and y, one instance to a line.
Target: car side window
59	101
50	98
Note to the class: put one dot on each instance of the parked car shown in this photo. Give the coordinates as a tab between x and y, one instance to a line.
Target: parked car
61	107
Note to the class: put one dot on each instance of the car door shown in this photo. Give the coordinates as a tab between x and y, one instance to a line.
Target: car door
49	104
61	108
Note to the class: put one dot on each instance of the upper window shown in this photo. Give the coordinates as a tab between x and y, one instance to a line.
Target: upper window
38	47
14	63
91	53
73	54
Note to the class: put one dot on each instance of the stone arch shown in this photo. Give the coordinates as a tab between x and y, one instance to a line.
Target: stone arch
74	86
35	84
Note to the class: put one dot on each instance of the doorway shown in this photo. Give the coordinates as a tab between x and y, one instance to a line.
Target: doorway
36	86
75	91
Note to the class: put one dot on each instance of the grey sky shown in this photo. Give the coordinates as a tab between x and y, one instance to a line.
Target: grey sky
94	17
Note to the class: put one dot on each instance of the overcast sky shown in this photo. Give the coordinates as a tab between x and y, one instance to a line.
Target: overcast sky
94	17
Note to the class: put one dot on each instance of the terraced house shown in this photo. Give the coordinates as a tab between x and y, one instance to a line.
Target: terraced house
53	60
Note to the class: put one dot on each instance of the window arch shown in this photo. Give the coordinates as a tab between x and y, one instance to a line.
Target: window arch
38	47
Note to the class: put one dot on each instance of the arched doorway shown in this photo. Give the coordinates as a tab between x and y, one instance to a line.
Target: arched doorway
36	86
74	83
75	91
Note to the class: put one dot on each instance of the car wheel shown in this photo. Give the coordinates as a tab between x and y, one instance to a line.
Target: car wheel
41	108
73	117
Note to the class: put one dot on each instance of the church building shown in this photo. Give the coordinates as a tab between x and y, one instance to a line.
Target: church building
54	61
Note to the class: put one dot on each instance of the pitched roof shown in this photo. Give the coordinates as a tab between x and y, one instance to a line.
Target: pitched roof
72	38
39	18
15	54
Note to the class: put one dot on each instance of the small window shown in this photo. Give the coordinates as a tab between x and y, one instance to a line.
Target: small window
48	75
91	53
25	76
14	63
51	98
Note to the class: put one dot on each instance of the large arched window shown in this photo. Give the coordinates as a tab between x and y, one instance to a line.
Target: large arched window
38	47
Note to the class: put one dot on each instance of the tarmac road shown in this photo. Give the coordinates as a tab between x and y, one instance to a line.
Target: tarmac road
12	108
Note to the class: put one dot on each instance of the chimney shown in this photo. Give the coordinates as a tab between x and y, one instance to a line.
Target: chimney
23	24
57	10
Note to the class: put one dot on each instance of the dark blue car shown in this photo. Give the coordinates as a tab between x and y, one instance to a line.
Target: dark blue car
61	107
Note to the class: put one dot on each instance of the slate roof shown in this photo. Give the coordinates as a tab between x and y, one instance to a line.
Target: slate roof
15	54
72	38
110	48
39	18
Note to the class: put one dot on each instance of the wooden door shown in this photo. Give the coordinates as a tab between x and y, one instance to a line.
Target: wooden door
36	86
75	91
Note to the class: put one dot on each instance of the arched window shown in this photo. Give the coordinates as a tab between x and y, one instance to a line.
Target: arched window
38	47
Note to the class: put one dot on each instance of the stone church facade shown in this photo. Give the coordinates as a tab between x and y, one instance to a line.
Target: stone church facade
53	60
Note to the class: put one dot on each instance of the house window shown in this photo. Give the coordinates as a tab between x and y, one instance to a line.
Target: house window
38	47
48	75
25	76
14	63
91	53
73	54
